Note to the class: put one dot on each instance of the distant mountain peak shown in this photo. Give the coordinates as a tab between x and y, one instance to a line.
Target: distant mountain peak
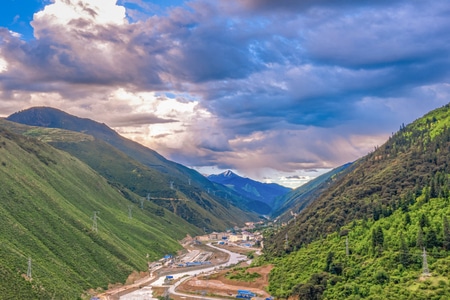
252	189
228	173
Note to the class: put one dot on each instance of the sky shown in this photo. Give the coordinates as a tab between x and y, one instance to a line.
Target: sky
278	91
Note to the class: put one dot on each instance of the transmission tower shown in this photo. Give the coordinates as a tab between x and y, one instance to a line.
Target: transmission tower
148	196
142	203
425	271
286	242
94	222
189	181
130	208
295	217
29	269
171	185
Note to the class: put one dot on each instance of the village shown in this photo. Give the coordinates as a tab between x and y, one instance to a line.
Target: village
246	236
207	258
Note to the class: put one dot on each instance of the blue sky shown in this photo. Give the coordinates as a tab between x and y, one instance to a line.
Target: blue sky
275	90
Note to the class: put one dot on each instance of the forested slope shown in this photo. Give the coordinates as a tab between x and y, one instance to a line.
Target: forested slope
414	160
393	205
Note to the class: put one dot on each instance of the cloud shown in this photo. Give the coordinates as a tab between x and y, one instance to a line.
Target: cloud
139	119
244	84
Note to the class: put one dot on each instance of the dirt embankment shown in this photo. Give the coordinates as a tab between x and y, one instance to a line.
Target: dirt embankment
218	284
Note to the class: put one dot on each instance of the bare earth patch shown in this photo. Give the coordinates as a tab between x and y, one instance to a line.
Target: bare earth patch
218	284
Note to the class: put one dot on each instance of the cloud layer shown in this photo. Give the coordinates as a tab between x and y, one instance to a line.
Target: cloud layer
243	84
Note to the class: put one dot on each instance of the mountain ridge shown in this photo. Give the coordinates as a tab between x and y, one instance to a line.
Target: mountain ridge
173	178
47	213
370	233
266	193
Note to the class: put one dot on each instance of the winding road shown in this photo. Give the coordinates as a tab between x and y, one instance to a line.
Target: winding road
146	292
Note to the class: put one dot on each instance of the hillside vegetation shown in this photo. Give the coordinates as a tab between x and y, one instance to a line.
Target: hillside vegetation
298	199
138	168
390	207
385	258
47	204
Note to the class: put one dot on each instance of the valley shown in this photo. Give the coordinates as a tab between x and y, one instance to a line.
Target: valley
186	281
83	208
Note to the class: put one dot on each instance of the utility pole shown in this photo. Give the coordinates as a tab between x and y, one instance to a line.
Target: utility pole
29	269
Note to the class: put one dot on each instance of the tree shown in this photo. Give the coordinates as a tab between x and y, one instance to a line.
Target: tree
423	221
377	239
419	240
407	219
446	234
329	261
431	239
404	252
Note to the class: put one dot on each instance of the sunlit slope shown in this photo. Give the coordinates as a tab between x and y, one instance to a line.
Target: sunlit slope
207	208
47	204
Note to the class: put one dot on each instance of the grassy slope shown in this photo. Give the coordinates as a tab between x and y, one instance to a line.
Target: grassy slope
167	170
209	211
47	202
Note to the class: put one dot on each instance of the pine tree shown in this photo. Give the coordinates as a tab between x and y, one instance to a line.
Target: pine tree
419	241
423	222
431	239
377	239
446	234
404	251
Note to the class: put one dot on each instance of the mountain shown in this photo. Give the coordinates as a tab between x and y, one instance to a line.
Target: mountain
298	199
140	169
68	226
381	231
263	194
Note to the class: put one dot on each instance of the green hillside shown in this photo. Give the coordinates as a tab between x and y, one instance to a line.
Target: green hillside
298	199
138	168
378	266
392	204
47	204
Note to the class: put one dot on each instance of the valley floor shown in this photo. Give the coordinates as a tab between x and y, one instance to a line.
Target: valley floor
214	283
